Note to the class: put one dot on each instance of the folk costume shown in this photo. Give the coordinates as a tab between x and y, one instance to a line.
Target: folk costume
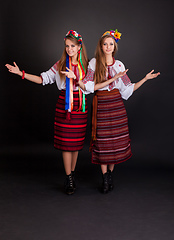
71	108
110	143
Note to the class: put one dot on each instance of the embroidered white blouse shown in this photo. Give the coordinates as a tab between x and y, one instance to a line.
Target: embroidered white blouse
52	76
123	84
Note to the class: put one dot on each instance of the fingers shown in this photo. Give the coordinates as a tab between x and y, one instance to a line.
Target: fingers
156	74
68	69
66	73
9	67
152	75
123	73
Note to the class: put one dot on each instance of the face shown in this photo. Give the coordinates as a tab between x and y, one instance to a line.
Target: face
71	48
108	46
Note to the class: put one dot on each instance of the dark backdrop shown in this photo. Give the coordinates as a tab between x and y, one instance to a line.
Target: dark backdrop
32	34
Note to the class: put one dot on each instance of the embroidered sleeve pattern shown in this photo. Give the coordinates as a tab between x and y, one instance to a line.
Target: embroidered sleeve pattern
126	80
89	76
49	76
54	67
53	70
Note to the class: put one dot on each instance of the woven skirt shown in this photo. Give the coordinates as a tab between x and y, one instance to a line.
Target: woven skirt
69	135
112	141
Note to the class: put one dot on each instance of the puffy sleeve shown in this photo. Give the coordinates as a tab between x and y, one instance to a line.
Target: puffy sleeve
89	78
49	76
126	88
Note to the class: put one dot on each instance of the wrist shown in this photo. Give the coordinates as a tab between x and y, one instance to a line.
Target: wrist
146	78
115	77
23	74
20	73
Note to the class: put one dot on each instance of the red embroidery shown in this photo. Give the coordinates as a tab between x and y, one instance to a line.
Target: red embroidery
53	70
89	76
111	85
126	80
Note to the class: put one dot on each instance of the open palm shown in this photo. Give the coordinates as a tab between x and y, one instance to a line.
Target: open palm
152	75
13	69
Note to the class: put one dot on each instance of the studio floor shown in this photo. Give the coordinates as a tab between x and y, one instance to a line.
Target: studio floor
33	205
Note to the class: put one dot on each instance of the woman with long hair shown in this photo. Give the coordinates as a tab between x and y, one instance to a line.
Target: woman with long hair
110	143
71	108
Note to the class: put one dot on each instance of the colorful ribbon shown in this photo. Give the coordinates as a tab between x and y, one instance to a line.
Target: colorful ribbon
69	88
69	85
82	73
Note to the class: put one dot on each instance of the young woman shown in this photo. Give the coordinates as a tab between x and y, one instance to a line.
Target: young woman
110	142
71	108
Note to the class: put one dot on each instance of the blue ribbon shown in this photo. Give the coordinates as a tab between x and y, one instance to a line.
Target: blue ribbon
67	93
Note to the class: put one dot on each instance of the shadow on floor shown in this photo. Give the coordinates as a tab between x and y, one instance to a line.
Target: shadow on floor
33	204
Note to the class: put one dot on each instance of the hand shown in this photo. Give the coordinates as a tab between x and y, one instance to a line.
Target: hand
69	74
152	75
121	74
13	69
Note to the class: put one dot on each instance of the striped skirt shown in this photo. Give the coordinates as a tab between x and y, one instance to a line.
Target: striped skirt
69	135
111	144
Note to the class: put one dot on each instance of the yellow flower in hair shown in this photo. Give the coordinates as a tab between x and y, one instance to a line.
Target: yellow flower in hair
114	33
117	34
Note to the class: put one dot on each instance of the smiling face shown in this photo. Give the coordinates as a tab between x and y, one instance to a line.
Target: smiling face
72	48
108	46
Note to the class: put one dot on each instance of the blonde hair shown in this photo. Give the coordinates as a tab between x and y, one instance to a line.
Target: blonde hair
61	66
101	66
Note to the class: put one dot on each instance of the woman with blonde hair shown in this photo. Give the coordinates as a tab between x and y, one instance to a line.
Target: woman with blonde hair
110	143
71	108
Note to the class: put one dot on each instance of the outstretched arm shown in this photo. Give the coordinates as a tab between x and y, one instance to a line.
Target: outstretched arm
15	69
104	84
149	76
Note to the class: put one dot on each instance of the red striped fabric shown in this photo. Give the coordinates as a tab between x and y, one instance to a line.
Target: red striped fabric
112	143
69	135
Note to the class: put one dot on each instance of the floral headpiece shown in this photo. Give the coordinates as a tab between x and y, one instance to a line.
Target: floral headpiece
75	35
113	33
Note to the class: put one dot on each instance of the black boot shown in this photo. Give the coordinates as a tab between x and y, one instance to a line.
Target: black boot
105	187
69	189
73	178
110	180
